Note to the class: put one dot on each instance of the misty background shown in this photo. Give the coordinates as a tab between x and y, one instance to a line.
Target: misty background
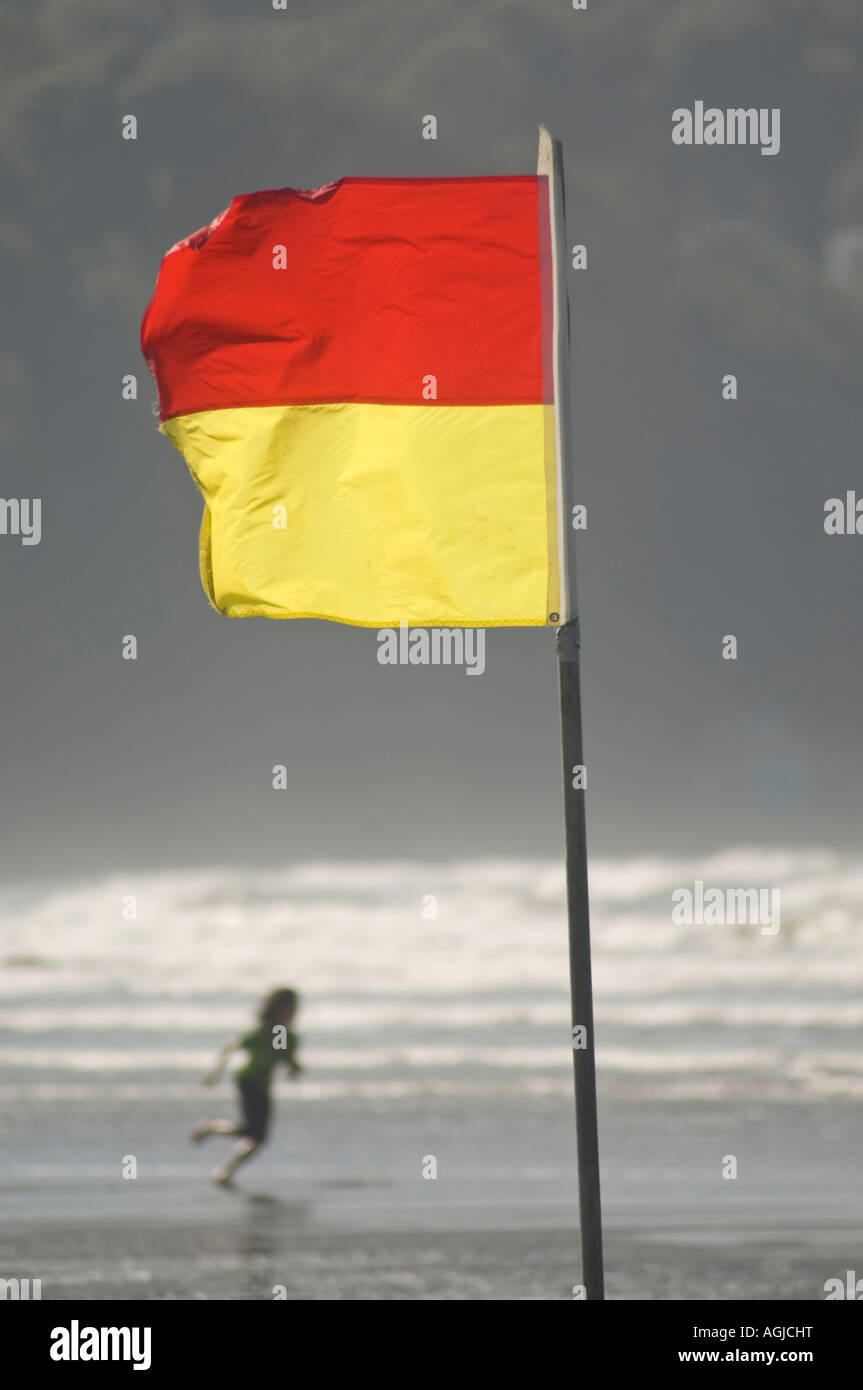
704	517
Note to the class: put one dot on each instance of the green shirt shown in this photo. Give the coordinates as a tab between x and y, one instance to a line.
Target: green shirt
265	1053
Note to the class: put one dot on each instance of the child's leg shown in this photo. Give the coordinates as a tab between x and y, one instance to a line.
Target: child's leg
252	1129
243	1151
206	1127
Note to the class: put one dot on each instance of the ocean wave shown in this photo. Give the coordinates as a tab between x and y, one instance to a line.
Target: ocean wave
444	966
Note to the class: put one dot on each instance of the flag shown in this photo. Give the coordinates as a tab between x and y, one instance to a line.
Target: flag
360	379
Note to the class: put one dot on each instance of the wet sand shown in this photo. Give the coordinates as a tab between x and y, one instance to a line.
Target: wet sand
353	1239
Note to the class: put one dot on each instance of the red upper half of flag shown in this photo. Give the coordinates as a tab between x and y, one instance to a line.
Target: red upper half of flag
386	282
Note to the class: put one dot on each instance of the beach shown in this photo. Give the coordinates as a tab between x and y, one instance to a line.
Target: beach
441	1039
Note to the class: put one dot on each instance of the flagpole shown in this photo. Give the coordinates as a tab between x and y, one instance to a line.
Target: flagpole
568	644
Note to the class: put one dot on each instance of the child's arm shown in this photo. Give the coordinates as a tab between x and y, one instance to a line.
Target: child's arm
212	1076
293	1066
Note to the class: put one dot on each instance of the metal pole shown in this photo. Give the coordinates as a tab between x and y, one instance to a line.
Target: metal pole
568	658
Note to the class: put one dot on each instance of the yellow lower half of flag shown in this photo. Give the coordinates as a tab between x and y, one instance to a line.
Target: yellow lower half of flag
438	516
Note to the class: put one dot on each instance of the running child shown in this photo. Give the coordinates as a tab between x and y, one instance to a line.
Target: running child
271	1043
